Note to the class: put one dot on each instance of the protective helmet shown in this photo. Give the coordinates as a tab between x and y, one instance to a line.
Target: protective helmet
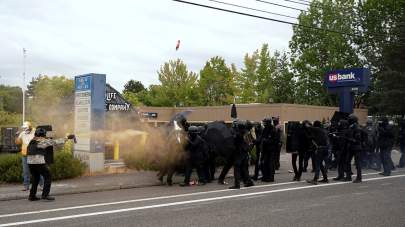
276	121
369	122
353	119
242	124
267	121
40	132
193	129
317	124
306	124
201	129
343	124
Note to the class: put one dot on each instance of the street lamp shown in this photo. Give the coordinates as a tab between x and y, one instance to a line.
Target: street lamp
23	86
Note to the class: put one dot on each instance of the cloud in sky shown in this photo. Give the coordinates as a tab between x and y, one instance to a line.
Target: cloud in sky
128	39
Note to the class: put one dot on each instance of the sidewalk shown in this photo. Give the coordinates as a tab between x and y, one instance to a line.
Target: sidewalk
106	182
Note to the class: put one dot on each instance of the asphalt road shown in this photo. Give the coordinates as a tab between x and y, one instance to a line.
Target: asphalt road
378	201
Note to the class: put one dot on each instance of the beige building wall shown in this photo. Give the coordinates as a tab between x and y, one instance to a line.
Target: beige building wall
254	112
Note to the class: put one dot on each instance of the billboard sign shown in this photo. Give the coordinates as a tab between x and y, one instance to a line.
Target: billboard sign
355	77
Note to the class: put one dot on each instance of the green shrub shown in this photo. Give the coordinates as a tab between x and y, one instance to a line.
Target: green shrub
10	168
66	166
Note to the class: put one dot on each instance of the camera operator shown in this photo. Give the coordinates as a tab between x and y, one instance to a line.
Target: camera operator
39	156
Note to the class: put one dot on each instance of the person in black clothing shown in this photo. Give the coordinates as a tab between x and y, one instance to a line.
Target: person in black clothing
320	142
385	143
342	151
270	143
276	122
401	138
355	141
241	155
303	144
39	156
196	155
258	141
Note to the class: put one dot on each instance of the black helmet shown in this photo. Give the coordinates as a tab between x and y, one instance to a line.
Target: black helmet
276	121
201	129
353	119
306	124
267	121
193	129
40	132
343	124
317	124
249	125
242	124
369	122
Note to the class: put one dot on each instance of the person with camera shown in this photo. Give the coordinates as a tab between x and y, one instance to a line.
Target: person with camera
385	143
269	146
39	157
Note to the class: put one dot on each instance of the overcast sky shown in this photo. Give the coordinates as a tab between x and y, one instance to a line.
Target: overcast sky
129	39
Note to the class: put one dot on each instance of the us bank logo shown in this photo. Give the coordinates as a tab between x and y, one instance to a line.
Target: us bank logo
338	78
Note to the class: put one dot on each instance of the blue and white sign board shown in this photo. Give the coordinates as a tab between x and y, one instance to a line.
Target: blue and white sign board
89	118
346	83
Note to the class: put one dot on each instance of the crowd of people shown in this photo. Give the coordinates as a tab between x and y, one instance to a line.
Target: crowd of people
332	146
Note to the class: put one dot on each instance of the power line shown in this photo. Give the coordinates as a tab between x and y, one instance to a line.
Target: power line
272	19
280	5
301	3
253	9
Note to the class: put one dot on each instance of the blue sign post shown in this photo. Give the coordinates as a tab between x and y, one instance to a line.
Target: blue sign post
346	83
89	118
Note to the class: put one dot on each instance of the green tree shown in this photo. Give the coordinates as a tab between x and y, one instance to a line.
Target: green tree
315	52
265	71
216	84
10	99
246	80
133	86
283	80
178	85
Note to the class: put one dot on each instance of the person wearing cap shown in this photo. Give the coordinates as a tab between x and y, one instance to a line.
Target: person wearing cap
24	138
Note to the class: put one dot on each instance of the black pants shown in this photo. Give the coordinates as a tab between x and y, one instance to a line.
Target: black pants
38	170
357	161
241	169
277	158
341	163
228	165
169	171
209	168
300	157
308	155
320	156
258	163
189	169
269	165
385	154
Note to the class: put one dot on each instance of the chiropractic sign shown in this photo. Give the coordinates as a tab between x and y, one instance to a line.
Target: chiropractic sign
355	77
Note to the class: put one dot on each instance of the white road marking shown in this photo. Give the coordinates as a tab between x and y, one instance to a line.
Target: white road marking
142	200
185	202
150	199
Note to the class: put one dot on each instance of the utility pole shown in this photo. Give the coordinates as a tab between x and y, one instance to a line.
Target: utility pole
23	86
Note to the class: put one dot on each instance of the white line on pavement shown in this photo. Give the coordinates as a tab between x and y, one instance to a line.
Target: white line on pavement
150	199
185	202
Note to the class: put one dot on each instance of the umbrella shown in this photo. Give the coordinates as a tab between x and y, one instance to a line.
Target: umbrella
219	137
234	114
179	116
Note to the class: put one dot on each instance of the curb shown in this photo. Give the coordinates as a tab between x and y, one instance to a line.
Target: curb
88	190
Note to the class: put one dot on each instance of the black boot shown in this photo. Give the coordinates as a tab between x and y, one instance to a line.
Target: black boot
33	198
48	198
314	181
